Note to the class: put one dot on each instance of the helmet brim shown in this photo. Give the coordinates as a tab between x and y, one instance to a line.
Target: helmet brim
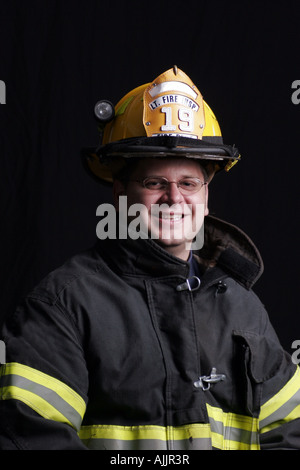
107	159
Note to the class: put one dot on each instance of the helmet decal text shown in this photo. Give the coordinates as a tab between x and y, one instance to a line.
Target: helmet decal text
173	106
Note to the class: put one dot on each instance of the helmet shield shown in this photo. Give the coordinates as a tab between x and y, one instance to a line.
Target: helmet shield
173	106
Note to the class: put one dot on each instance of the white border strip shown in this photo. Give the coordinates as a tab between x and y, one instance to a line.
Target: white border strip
173	86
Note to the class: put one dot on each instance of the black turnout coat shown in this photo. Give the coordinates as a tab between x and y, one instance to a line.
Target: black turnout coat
116	350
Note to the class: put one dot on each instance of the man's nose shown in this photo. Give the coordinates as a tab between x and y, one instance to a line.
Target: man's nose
172	194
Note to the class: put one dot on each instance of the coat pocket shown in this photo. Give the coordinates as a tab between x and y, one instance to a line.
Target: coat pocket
256	359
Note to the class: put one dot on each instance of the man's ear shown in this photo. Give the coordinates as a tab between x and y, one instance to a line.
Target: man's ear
206	209
118	190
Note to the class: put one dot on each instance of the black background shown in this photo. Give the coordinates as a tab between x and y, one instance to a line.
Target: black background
57	58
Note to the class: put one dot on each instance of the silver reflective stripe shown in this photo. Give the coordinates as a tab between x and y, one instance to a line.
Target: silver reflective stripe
234	433
283	412
148	444
115	444
282	407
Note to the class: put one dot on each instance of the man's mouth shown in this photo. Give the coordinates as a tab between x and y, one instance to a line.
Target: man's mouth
171	217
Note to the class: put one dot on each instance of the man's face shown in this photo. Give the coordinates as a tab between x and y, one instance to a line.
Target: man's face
172	217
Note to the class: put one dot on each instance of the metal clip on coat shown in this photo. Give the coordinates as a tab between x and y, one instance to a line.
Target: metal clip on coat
205	381
189	284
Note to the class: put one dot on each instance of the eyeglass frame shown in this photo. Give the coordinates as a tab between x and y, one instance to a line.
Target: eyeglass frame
168	183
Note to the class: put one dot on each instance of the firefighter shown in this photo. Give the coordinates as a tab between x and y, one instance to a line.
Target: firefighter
154	338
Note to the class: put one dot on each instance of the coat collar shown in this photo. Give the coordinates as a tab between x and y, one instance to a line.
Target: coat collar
226	247
141	257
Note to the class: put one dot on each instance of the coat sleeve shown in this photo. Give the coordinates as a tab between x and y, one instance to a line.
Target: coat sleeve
279	419
44	381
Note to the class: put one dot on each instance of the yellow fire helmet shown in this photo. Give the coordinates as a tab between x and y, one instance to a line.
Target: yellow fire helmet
165	118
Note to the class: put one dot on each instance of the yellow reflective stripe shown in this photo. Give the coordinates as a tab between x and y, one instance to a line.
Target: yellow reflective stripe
145	432
225	431
66	392
146	437
233	431
282	407
48	396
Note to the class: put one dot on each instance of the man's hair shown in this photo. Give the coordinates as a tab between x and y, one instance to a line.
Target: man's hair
127	168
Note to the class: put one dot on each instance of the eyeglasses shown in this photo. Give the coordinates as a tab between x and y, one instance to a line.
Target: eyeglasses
185	185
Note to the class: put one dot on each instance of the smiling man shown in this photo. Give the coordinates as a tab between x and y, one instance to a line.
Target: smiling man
173	195
147	342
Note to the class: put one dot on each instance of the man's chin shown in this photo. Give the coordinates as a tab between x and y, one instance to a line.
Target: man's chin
173	244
